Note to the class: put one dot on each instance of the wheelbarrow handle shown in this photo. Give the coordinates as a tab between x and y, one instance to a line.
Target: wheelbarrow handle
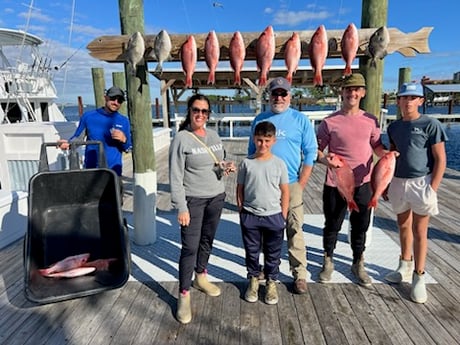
73	157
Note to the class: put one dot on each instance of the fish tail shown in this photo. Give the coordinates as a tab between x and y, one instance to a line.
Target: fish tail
211	78
352	206
347	70
373	63
372	203
289	77
262	80
237	79
159	68
318	80
188	81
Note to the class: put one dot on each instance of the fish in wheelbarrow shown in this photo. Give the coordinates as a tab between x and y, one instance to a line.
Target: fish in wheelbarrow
344	179
72	273
100	264
66	264
381	176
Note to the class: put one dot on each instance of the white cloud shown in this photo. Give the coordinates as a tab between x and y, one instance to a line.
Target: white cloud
293	18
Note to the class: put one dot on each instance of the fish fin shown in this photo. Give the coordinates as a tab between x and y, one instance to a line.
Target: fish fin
211	78
373	63
289	77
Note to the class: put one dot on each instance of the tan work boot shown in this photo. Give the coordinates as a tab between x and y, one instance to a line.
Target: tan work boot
201	283
403	273
360	273
252	292
328	268
184	308
271	293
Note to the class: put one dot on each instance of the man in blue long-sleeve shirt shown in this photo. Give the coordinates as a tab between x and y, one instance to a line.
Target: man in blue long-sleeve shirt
107	125
295	144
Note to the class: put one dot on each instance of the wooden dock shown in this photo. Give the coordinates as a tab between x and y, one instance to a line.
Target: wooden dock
142	311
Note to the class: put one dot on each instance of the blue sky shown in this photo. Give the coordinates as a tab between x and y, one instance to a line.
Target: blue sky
67	26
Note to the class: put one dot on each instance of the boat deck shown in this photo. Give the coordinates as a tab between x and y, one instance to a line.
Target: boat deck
142	311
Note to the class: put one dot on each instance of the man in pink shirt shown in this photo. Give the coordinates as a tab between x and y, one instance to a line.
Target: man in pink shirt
354	135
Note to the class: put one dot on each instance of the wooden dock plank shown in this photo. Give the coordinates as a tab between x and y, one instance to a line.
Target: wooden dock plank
345	314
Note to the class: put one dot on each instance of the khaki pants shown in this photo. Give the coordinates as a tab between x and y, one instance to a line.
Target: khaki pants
294	231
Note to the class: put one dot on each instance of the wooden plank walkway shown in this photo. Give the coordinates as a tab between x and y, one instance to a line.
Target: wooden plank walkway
143	312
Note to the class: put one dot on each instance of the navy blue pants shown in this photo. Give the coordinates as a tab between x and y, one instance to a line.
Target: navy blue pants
262	233
335	208
197	238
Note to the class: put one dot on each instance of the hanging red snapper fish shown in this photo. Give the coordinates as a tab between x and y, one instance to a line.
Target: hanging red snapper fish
381	176
188	57
237	53
317	51
211	55
349	46
292	53
265	52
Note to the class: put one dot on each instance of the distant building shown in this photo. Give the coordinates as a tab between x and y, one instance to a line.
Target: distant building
457	77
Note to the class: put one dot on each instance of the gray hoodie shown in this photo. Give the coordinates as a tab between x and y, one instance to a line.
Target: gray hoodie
191	167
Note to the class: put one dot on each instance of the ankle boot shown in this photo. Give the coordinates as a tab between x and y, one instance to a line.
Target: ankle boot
328	268
201	283
403	273
184	308
418	291
360	273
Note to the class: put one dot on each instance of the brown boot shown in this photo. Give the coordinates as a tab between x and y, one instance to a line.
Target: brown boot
328	268
360	273
184	308
201	283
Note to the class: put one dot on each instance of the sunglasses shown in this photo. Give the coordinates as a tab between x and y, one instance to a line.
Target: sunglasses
119	99
202	111
279	93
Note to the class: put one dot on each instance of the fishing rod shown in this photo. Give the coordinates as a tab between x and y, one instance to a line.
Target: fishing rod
68	59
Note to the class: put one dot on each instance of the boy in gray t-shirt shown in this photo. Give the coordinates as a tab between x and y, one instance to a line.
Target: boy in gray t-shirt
263	199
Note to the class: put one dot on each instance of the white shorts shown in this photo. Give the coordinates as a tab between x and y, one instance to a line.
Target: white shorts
413	194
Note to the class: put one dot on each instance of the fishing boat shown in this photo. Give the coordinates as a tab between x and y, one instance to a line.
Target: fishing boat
29	116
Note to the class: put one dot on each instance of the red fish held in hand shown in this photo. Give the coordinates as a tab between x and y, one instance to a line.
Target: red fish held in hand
292	53
381	176
349	46
317	51
188	56
66	264
237	53
211	55
265	52
345	180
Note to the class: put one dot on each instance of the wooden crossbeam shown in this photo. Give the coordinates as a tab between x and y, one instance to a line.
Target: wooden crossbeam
111	48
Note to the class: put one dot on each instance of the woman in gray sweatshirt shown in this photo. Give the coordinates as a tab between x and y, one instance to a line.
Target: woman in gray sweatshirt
197	193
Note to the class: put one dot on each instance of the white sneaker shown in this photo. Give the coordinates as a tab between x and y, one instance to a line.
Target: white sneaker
403	273
418	290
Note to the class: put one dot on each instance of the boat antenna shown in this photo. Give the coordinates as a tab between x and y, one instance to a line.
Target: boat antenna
64	83
31	6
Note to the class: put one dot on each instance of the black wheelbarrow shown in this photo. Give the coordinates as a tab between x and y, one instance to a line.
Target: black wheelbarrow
72	212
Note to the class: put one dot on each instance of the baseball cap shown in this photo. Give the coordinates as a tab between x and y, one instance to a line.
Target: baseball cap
115	91
355	79
279	83
411	89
